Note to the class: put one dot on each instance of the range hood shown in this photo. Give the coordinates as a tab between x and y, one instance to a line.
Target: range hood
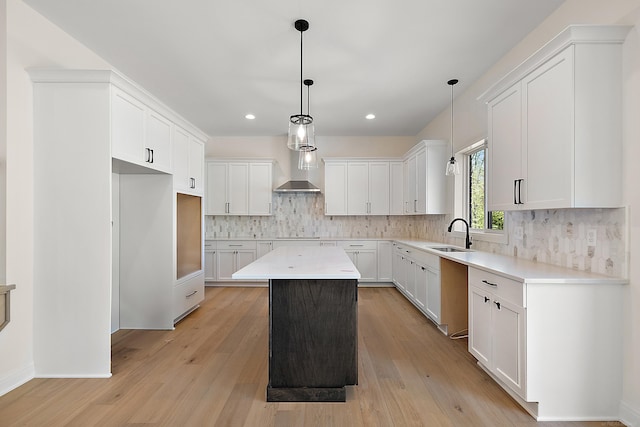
297	187
300	181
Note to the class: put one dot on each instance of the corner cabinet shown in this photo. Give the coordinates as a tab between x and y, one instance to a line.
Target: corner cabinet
238	187
425	179
556	119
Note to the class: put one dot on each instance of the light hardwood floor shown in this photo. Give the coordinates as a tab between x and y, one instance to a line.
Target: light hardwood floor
212	371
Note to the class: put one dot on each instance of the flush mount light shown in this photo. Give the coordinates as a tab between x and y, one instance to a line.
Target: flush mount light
249	117
370	116
301	129
453	168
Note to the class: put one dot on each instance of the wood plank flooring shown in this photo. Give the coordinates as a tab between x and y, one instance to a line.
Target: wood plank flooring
212	371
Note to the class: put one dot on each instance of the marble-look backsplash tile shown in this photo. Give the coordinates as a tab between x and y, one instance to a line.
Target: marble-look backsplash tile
557	236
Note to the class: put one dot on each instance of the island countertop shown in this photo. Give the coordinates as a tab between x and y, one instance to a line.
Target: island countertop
302	262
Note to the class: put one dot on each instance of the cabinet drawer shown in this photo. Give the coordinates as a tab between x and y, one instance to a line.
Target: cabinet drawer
426	259
187	295
358	244
209	245
507	289
236	244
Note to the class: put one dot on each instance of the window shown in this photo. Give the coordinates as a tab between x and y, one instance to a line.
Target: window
471	195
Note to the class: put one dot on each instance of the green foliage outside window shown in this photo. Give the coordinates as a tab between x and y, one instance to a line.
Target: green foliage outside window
477	195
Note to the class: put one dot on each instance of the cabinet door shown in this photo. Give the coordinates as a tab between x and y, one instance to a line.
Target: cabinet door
263	248
378	188
180	159
127	127
410	199
396	188
548	134
216	188
421	182
399	274
436	179
433	294
358	188
421	286
244	257
480	324
508	343
260	188
210	266
410	268
385	262
368	265
505	149
226	263
196	166
335	189
238	189
158	142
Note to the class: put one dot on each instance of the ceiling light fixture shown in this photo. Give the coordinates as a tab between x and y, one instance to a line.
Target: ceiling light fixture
453	168
301	130
249	117
370	116
308	157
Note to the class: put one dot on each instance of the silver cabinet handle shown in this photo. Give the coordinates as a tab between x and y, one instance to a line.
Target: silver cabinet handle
495	285
236	246
355	246
191	294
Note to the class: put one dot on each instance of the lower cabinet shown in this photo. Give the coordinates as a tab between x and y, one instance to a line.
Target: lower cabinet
187	295
497	326
210	261
364	255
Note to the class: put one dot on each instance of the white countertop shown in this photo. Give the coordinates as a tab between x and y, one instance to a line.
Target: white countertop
515	268
301	262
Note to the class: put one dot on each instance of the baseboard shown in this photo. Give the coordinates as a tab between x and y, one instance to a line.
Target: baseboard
15	379
629	415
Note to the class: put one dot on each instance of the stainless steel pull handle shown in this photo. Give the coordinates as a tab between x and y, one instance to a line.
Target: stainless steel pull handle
490	284
236	246
191	294
356	246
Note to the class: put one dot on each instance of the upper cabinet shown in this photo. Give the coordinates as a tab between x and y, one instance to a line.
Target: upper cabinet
358	186
239	187
188	162
555	125
140	135
425	179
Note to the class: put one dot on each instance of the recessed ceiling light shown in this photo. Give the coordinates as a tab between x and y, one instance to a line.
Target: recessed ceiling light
370	116
249	117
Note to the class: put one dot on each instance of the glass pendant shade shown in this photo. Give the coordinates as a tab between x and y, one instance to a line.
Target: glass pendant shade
308	158
453	168
301	132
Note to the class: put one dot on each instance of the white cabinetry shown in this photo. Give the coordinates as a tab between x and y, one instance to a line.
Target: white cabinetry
140	135
425	180
210	261
396	188
238	187
360	186
385	261
497	327
234	255
364	255
263	248
188	162
548	119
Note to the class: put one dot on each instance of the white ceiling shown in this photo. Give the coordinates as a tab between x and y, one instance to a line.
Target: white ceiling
213	61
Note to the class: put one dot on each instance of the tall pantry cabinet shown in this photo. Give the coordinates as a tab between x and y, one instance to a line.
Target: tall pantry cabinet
107	209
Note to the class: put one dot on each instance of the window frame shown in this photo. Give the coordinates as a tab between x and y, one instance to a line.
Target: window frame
461	198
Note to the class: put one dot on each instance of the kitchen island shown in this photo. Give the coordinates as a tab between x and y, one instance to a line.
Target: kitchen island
313	334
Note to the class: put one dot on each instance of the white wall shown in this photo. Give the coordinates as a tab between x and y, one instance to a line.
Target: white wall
32	41
471	125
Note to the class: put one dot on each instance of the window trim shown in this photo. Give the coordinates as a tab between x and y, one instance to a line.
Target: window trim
461	191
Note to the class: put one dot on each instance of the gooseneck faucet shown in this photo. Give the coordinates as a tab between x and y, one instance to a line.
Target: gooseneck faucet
467	242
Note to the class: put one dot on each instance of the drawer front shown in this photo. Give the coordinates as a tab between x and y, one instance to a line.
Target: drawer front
210	245
507	289
236	244
187	295
296	242
358	244
426	259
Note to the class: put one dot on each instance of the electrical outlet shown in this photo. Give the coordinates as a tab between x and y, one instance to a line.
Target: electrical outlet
518	232
591	237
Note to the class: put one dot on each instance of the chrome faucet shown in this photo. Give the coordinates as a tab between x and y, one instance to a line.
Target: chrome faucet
467	242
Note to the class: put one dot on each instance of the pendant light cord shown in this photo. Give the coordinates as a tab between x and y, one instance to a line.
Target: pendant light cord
301	32
452	120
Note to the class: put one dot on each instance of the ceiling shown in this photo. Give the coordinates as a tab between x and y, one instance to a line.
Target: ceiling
214	61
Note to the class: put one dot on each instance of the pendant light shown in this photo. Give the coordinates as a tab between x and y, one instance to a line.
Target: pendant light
301	130
308	157
453	168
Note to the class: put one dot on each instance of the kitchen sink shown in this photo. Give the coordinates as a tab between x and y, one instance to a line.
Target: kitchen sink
450	249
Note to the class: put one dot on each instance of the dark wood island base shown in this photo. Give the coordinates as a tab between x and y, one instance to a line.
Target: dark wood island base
313	339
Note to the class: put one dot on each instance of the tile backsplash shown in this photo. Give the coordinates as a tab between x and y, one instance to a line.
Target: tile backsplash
554	236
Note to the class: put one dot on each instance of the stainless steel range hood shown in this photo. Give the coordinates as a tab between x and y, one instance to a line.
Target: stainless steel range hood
300	181
297	187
